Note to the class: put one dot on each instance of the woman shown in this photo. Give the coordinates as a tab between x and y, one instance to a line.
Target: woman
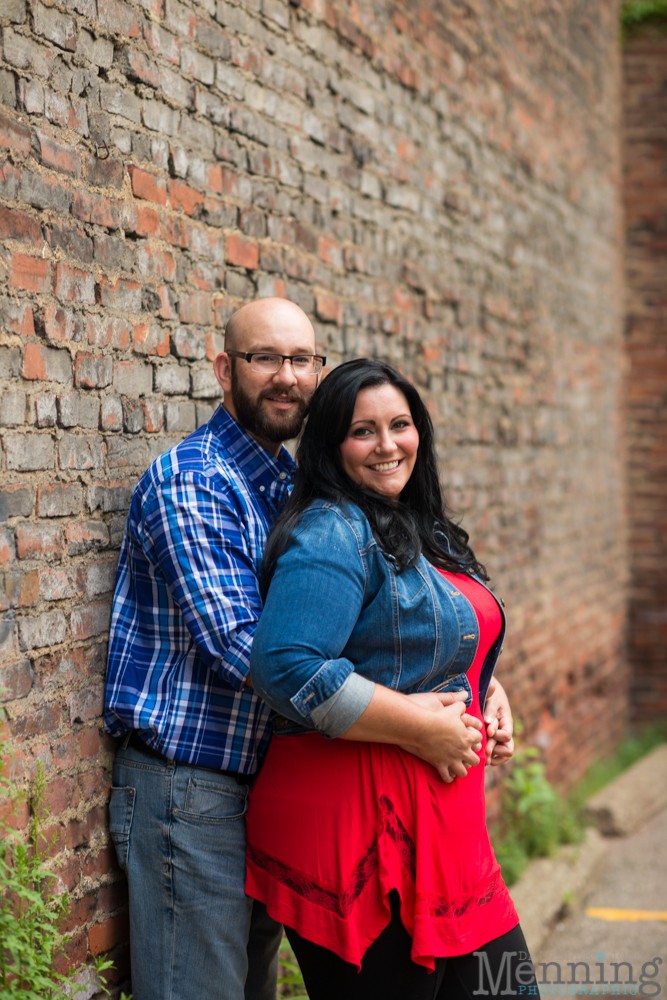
366	833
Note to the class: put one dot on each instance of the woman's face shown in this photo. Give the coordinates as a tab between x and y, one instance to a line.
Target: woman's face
380	450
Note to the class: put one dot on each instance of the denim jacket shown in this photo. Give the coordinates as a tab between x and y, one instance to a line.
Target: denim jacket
339	618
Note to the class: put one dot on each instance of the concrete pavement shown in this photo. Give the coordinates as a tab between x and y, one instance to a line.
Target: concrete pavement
631	877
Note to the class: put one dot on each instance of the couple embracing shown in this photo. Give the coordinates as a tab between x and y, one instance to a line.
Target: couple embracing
301	677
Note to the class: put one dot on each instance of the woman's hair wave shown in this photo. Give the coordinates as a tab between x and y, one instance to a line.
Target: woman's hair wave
418	524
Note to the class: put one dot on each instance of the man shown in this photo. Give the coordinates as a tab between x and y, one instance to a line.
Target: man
178	692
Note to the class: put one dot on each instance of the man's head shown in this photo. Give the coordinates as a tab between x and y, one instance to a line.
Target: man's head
271	407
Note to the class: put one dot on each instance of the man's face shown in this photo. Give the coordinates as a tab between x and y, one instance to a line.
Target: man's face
271	407
274	413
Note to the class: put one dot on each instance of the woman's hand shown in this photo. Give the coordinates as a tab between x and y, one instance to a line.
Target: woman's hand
445	746
499	725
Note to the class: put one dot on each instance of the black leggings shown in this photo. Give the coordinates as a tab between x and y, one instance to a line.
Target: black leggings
388	972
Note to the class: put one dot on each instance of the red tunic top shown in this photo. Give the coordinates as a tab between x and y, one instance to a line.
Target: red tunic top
334	825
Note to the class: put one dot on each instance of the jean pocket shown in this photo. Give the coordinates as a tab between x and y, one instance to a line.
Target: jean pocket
121	810
459	682
214	802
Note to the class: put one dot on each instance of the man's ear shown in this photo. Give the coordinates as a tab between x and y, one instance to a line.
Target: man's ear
222	366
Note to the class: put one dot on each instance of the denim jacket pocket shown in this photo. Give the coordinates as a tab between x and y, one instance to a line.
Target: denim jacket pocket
459	682
121	811
214	802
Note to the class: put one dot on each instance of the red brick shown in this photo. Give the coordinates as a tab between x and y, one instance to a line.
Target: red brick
64	753
242	253
59	584
104	864
156	263
102	937
96	208
144	220
148	338
111	331
30	273
46	364
18	317
327	307
18	589
92	371
60	795
111	897
16	225
184	198
7	548
81	537
58	323
15	815
15	681
97	821
38	541
14	135
196	308
59	669
69	873
119	18
88	742
121	294
37	722
90	620
94	783
175	230
72	284
59	155
138	66
147	186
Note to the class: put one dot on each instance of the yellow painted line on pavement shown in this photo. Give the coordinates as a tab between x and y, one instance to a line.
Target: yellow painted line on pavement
608	913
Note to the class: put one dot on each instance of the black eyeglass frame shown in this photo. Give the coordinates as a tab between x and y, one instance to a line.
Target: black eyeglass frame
285	357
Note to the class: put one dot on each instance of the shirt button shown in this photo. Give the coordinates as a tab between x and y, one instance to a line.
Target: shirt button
261	489
283	475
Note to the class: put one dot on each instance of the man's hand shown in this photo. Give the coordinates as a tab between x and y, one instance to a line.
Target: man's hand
499	725
432	726
248	682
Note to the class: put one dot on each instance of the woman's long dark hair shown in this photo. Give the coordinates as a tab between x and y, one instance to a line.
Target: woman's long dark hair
417	524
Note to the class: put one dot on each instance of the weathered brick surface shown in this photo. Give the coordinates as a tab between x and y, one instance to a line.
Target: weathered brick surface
437	185
645	148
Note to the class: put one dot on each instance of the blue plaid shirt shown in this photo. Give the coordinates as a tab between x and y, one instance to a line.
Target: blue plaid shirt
187	599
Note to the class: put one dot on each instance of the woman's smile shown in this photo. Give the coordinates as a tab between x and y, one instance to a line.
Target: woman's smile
380	450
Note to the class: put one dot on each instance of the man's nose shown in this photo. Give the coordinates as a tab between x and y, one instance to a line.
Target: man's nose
285	375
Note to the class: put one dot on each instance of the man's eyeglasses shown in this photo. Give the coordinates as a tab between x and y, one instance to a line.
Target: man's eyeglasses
269	364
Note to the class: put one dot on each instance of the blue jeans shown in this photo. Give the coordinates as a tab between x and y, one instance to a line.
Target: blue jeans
179	833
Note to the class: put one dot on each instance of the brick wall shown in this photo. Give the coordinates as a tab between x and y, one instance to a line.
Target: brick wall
436	185
645	131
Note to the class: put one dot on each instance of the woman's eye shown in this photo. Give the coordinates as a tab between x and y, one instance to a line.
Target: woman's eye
360	432
400	425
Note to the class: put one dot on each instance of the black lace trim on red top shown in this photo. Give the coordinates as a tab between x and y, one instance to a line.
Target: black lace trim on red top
341	903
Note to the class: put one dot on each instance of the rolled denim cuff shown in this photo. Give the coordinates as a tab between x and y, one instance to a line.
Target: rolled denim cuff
334	716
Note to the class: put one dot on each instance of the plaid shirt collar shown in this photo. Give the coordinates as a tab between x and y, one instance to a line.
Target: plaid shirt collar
259	467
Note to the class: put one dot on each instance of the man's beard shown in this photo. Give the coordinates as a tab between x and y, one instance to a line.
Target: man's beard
275	427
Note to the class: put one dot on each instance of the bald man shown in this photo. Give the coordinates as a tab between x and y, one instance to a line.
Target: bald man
178	693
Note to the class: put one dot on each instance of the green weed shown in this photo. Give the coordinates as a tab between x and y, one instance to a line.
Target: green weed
31	914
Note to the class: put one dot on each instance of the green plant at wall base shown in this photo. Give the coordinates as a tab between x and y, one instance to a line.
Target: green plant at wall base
290	985
30	913
535	820
637	13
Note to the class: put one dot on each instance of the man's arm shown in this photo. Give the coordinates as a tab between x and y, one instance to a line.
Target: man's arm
199	544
